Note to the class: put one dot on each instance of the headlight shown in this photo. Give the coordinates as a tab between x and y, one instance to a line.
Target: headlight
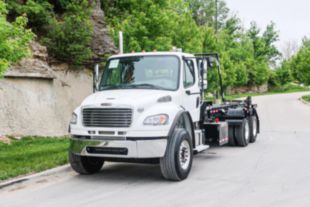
74	118
160	119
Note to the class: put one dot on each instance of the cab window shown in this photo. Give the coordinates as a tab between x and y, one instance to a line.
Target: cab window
189	73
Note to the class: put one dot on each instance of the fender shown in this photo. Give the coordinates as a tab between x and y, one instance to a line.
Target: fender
258	121
175	121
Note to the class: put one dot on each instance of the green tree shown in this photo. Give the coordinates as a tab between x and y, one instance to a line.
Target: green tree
14	39
283	74
68	40
204	12
300	63
154	25
264	53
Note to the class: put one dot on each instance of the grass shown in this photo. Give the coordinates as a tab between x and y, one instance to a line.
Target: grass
32	154
278	90
306	98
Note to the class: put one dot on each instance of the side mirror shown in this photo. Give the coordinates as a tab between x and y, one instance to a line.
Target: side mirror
96	78
212	61
203	65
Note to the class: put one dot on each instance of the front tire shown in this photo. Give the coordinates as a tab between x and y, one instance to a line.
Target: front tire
85	165
177	162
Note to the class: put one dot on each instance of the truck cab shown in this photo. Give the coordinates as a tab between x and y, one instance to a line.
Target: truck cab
147	107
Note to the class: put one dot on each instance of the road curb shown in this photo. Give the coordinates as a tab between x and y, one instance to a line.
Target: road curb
303	101
21	179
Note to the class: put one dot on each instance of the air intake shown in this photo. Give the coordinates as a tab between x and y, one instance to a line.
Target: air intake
107	117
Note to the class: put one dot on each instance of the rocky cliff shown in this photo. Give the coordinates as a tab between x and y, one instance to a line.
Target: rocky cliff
102	43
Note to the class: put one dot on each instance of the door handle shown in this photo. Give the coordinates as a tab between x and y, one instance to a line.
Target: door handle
188	92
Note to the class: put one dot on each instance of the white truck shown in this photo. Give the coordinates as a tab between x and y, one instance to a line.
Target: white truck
149	108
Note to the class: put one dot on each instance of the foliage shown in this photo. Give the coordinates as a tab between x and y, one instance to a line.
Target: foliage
32	154
306	98
39	13
246	55
68	40
284	73
204	12
14	39
190	25
153	25
300	63
295	68
63	26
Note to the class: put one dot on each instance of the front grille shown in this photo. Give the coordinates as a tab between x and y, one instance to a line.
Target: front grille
107	117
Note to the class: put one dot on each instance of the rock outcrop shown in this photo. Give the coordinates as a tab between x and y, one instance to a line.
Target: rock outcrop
35	66
102	43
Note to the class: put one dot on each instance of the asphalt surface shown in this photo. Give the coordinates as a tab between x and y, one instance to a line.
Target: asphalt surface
275	171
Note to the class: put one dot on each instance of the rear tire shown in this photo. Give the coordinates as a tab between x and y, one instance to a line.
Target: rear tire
85	165
177	162
231	136
253	128
242	133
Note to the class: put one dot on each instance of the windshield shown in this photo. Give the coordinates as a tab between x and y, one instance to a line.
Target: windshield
141	72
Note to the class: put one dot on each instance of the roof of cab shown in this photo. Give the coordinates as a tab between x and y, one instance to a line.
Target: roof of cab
180	54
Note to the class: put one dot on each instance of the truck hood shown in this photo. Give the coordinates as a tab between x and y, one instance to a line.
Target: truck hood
129	97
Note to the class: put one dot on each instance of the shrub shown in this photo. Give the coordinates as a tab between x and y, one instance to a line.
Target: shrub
68	39
14	39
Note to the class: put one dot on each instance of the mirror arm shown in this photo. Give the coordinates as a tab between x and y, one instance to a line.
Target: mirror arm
220	82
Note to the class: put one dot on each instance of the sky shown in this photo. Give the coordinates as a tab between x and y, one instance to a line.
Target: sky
292	17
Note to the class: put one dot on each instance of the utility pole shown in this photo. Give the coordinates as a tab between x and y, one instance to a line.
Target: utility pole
121	44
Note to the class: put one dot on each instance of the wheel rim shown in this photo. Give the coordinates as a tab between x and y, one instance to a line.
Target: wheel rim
184	154
254	126
247	130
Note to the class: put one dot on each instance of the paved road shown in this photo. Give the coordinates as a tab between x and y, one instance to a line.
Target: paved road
273	172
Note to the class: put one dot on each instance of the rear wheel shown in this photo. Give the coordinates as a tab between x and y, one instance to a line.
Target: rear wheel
177	162
253	128
242	133
231	136
85	165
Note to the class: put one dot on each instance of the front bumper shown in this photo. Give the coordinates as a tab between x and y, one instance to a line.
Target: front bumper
131	148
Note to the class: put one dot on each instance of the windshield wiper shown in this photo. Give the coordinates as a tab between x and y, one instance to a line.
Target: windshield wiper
146	85
142	85
112	87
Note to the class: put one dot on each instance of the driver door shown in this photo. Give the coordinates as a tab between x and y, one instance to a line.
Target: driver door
191	90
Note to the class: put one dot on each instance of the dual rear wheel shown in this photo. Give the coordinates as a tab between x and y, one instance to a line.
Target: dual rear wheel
245	133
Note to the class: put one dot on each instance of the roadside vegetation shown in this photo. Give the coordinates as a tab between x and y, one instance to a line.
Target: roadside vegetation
14	39
31	154
248	55
306	98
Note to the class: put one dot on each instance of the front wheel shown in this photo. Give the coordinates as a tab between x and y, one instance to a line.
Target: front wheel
85	165
177	162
